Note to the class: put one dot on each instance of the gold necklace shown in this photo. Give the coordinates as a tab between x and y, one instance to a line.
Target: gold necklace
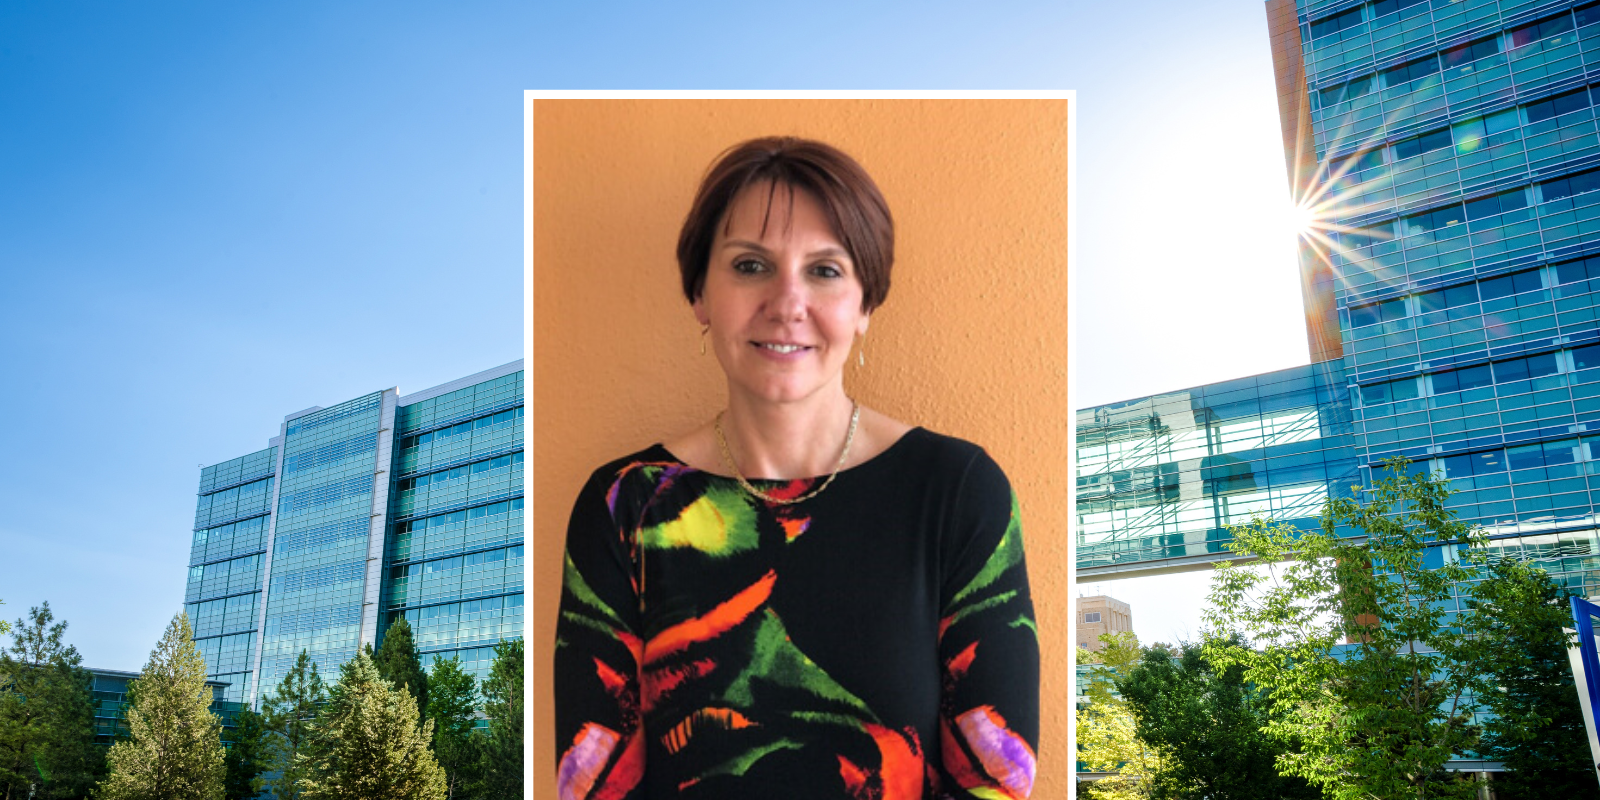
727	460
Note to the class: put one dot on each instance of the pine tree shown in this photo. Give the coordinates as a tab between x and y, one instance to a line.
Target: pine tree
399	664
287	716
46	713
368	745
247	758
174	749
452	699
500	776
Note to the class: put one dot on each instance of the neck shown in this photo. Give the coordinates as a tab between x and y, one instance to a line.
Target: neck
785	441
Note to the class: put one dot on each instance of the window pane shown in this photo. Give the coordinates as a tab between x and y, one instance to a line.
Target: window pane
1525	456
1586	357
1514	370
1542	365
1403	389
1473	377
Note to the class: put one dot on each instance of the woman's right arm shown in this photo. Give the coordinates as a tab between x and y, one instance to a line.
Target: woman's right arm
600	746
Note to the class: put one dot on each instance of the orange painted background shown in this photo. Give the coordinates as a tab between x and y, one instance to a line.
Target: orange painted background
972	341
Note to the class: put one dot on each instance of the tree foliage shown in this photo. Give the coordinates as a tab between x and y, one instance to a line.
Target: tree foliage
1207	721
174	745
1537	730
397	661
1108	738
1378	715
247	758
46	713
452	702
287	716
368	744
500	774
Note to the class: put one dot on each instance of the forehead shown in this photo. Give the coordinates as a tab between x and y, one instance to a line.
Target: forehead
771	211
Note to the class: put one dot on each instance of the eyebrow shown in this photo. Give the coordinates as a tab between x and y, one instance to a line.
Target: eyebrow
835	252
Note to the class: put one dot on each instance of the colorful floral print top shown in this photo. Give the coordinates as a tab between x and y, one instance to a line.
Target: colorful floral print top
875	641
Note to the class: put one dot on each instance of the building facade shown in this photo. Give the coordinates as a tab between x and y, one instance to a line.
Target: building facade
1100	615
379	508
1450	157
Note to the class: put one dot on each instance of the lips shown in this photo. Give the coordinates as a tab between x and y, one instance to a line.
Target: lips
781	348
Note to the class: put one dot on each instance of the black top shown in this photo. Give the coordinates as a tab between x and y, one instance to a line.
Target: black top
876	640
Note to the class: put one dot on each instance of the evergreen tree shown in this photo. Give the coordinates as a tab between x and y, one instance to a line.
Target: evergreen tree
1526	681
399	664
452	699
174	745
1208	721
500	776
287	716
247	757
46	713
368	745
1377	714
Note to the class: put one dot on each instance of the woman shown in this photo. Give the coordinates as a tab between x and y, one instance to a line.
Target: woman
803	597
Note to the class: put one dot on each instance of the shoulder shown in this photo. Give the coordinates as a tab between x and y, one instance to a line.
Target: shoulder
962	465
642	466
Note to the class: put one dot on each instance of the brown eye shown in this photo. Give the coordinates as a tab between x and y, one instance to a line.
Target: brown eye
748	266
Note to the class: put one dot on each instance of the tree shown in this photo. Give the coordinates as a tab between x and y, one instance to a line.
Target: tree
1207	721
174	745
368	745
46	713
500	774
452	700
1377	716
247	758
1537	730
399	664
287	716
1107	727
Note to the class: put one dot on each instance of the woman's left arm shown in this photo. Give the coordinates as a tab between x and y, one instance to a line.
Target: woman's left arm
988	645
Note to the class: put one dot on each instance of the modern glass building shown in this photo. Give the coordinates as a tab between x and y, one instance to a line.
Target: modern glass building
381	507
1450	154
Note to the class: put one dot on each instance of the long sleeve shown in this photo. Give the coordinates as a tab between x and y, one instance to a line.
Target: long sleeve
599	731
988	645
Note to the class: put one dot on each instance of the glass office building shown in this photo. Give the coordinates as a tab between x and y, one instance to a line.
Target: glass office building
1450	153
379	508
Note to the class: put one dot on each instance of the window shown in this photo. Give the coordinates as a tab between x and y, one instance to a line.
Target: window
1497	204
1470	134
1542	29
1470	52
1426	143
1347	91
1583	269
1474	464
1386	7
1571	185
1543	454
1440	299
1336	23
1389	392
1564	103
1091	616
1370	235
1521	369
1350	165
1434	220
1588	15
1374	313
1410	71
1460	380
1586	357
1507	285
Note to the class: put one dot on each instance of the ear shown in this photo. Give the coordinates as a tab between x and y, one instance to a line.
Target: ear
700	314
861	327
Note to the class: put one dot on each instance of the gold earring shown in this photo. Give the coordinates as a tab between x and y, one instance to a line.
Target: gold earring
861	353
703	332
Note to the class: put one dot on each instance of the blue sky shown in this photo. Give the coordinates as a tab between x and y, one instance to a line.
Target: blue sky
212	215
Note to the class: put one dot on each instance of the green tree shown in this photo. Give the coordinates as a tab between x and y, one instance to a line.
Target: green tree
1537	730
247	757
399	664
174	745
46	713
1378	715
368	744
1108	739
500	775
1208	723
452	701
287	716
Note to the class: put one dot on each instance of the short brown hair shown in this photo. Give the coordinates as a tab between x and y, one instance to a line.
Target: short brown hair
854	206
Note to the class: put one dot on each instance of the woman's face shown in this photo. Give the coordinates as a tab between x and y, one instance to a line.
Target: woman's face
784	305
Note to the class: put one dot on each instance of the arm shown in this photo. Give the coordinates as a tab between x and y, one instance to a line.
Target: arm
600	746
988	645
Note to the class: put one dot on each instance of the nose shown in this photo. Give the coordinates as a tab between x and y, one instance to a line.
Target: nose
788	299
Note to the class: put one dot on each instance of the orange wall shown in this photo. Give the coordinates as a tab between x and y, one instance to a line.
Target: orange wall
972	341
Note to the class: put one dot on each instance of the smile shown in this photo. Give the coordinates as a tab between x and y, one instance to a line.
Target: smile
781	348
